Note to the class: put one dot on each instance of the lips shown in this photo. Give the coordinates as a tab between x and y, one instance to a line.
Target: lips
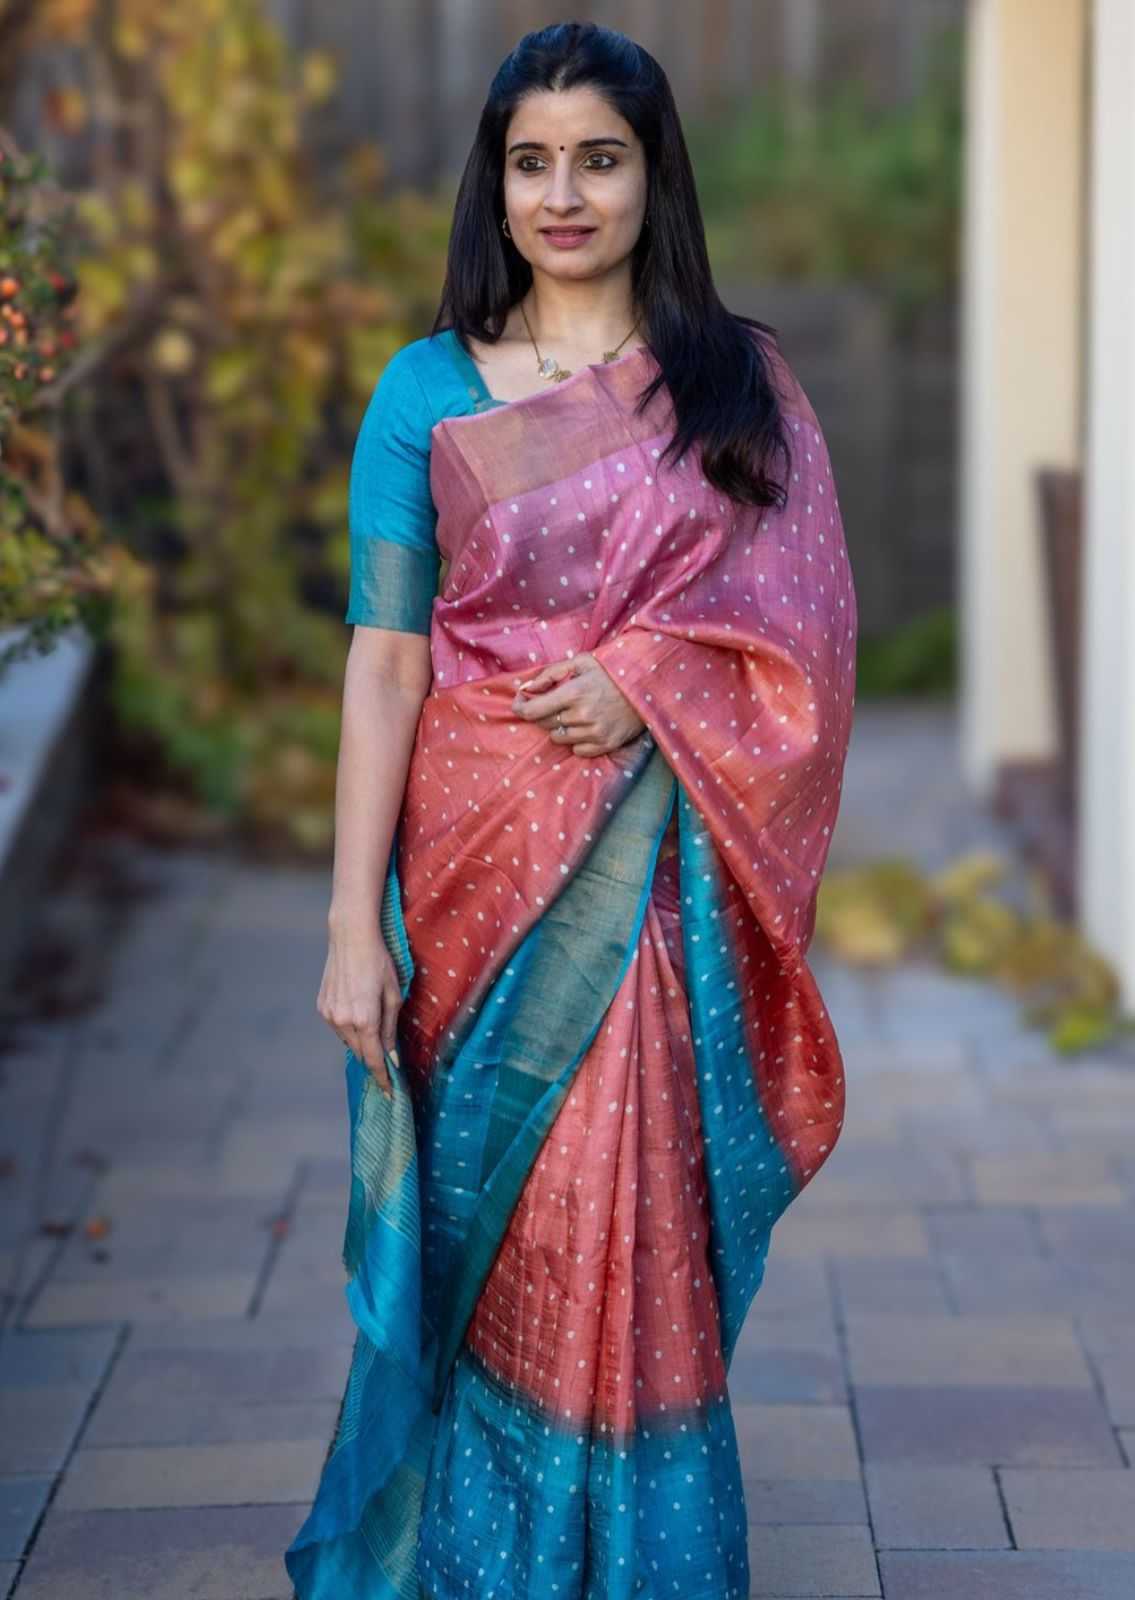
567	233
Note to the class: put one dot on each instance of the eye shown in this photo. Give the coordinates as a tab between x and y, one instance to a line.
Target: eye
600	155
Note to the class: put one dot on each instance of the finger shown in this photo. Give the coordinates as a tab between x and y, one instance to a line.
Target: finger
391	1002
542	680
550	673
561	697
578	732
372	1055
557	721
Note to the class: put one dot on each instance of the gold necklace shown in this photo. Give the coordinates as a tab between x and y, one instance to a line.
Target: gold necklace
548	367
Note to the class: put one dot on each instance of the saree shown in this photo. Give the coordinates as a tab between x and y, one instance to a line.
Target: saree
616	1069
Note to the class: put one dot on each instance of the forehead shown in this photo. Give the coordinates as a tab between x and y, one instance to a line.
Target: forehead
563	115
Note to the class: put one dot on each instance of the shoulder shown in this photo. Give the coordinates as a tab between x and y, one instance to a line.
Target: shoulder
400	411
419	382
400	381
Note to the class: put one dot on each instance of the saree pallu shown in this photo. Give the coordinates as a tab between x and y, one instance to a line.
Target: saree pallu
616	1068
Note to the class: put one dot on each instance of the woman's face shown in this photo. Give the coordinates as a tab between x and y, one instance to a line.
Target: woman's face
571	162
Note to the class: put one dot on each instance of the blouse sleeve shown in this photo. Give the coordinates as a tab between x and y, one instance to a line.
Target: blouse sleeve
391	515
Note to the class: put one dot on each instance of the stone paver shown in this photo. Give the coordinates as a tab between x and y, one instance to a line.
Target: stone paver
871	1234
141	1478
938	1508
811	1560
786	1442
143	1299
1007	1575
223	1396
934	1391
1037	1352
1057	1510
1013	1425
21	1503
788	1358
209	1553
39	1426
801	1500
1044	1180
904	1283
79	1356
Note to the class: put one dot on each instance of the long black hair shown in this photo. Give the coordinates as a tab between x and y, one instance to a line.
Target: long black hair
719	377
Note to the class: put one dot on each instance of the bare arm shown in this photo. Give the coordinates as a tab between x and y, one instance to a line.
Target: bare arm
387	678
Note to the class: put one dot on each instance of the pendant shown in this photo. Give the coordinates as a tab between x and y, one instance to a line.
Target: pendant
549	367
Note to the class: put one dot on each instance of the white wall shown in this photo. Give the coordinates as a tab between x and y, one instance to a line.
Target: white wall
1107	796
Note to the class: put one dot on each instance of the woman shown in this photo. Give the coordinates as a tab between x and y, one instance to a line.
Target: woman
592	779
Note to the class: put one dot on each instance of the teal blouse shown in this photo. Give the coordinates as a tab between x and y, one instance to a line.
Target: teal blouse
395	561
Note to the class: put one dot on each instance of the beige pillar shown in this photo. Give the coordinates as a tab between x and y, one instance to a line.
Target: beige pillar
1021	356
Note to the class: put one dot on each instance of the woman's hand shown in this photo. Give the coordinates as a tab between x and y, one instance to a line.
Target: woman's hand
595	717
360	996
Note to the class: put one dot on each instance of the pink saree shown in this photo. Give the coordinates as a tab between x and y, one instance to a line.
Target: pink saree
617	1070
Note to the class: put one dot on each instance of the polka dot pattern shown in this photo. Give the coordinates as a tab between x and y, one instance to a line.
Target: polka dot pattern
582	1445
588	1406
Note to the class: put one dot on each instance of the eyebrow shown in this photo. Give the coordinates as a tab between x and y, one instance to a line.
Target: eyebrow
584	144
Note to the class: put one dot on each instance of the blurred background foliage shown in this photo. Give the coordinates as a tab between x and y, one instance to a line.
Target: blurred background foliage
56	566
835	188
205	319
232	318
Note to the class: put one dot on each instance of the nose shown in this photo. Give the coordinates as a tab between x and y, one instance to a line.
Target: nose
561	197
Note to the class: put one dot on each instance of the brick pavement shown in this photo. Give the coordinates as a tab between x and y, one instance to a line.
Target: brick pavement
934	1393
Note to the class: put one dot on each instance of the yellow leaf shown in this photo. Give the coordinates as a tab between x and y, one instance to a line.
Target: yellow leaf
242	225
142	262
97	216
130	38
189	177
172	352
967	875
136	205
229	373
319	77
102	294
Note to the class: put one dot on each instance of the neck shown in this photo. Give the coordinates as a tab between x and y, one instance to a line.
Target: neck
599	313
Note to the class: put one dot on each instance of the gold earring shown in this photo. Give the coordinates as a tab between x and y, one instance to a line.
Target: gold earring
504	225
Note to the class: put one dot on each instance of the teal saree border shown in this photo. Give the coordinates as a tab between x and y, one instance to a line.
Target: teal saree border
542	1013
